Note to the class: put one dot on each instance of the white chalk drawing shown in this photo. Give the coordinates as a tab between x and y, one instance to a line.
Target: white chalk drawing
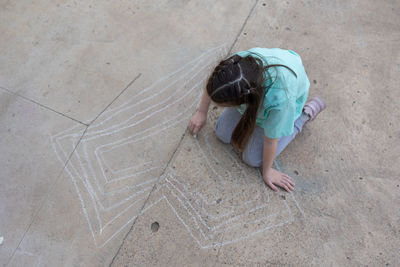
220	206
126	151
147	127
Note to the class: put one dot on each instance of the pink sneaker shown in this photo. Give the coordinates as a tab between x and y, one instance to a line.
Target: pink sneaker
313	107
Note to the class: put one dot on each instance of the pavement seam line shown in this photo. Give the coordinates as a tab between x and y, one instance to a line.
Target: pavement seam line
244	25
145	202
47	197
41	105
230	52
115	98
177	147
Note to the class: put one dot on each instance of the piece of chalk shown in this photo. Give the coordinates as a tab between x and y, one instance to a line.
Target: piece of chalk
195	136
1	240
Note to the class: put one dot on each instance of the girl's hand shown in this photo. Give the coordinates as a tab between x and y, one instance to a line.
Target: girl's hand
197	122
273	177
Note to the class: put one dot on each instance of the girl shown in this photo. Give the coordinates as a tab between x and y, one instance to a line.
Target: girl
264	93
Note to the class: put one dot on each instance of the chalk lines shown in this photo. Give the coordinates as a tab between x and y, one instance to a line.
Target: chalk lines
124	152
219	206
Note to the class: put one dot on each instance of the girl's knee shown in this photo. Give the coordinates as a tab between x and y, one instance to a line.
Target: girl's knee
253	152
226	124
222	135
251	160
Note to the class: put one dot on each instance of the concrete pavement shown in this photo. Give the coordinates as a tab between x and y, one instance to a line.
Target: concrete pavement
98	169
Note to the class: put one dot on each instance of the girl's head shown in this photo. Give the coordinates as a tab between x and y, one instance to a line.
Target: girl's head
235	81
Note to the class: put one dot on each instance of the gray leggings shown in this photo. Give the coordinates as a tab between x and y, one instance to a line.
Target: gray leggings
253	152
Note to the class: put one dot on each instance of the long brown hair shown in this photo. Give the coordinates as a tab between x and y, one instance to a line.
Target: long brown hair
241	80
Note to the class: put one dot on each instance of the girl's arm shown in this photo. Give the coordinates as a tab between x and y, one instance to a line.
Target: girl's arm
269	151
204	103
271	176
199	118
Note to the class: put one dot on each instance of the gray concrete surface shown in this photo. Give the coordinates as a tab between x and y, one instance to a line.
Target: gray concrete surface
97	167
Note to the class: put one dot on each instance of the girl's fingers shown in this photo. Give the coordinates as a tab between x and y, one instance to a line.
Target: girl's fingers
290	186
193	128
287	176
286	185
286	188
289	181
282	184
273	187
190	127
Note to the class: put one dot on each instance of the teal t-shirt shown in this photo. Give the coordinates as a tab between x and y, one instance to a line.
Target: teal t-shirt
284	100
